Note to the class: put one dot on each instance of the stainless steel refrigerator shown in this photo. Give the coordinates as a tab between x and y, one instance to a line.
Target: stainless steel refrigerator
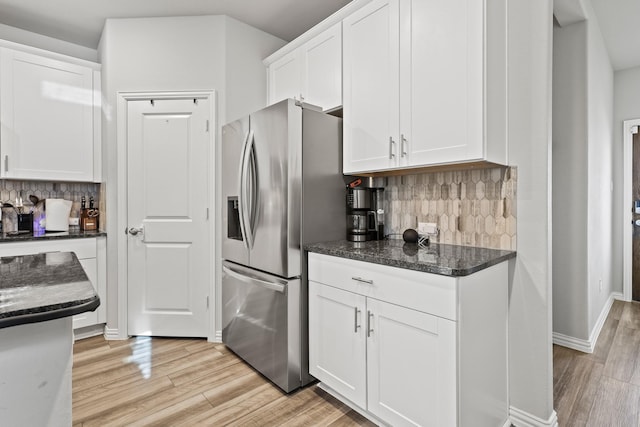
282	187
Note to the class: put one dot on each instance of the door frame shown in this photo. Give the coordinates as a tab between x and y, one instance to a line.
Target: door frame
630	128
122	184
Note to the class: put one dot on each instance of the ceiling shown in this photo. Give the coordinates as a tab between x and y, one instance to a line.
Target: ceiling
81	21
618	20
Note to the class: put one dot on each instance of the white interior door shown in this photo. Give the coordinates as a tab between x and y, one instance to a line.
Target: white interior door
168	232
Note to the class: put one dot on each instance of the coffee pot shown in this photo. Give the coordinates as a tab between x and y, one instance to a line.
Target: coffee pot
362	219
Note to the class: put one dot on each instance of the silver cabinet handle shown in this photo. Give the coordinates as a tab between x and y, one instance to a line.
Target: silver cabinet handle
403	146
369	323
6	163
360	279
391	144
355	318
134	231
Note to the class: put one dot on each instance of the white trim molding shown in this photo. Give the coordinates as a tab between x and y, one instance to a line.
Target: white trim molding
113	334
588	346
521	418
630	127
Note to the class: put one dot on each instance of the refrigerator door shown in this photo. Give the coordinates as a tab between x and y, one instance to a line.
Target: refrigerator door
276	189
234	140
261	322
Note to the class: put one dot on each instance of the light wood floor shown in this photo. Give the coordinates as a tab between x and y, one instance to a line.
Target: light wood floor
172	382
189	382
603	388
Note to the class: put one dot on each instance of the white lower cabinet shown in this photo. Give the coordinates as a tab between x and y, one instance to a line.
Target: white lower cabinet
337	341
408	348
91	253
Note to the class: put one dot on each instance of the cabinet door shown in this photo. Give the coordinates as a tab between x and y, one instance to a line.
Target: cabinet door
46	111
371	87
285	78
411	366
441	81
337	342
88	318
322	69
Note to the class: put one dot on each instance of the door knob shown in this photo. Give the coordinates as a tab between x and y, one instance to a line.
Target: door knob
134	231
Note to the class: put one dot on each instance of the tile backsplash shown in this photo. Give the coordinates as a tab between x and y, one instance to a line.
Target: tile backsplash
474	207
11	189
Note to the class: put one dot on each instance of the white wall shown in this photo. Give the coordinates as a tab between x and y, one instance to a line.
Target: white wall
570	180
28	38
582	195
530	350
173	54
600	201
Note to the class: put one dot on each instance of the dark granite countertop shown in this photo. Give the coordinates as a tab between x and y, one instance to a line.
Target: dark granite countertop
42	235
437	258
47	286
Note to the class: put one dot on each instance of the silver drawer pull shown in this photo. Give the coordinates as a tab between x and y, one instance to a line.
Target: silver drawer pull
369	323
360	279
356	312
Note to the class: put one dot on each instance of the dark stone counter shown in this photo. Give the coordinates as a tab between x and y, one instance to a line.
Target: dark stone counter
447	260
42	235
46	286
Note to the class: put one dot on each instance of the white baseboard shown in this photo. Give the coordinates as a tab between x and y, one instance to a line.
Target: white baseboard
524	419
88	331
217	338
587	346
113	334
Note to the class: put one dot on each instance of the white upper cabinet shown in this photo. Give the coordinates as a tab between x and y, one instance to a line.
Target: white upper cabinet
48	108
311	73
424	84
285	78
371	87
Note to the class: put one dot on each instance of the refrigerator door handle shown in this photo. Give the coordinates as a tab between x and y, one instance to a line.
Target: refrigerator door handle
254	193
278	287
241	190
247	208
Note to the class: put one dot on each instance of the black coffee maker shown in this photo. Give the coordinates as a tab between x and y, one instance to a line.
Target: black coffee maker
365	215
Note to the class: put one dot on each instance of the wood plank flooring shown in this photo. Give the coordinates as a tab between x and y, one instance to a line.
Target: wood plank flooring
187	382
602	388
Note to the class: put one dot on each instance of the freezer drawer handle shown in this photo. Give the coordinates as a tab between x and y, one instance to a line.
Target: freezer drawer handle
361	280
278	287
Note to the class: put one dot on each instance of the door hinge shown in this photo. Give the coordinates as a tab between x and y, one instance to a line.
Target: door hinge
207	126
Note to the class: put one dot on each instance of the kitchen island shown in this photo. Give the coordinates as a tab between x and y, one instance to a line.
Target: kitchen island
38	295
411	335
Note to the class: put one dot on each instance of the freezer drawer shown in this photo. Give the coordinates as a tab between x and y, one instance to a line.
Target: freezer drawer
261	322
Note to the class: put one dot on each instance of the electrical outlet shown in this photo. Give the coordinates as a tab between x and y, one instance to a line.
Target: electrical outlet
427	228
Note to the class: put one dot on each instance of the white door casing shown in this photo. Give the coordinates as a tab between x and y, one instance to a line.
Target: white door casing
168	249
630	127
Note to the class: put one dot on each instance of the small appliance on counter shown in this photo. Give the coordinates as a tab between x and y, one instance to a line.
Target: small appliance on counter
57	214
365	212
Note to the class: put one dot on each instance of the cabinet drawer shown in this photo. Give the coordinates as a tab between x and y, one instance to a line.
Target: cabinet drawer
84	248
429	293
